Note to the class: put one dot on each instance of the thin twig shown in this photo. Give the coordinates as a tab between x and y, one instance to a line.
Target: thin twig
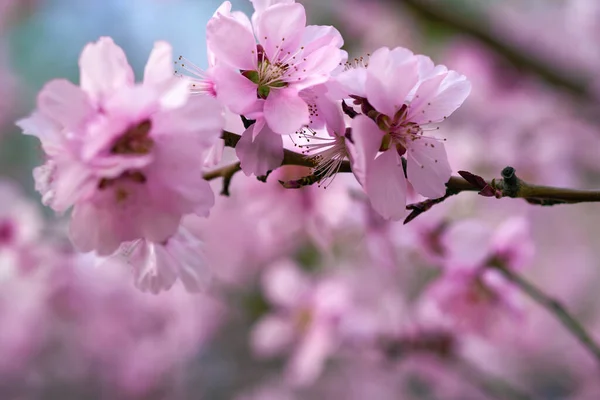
227	172
509	186
555	308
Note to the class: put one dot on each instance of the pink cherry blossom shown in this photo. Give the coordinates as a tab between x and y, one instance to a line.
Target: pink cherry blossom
398	113
126	157
305	317
477	297
102	332
264	81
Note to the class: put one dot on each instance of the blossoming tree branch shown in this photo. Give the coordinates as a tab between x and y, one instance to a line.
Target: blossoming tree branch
131	161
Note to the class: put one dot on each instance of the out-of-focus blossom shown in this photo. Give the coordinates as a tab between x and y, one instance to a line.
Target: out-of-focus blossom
305	316
126	157
104	333
21	226
471	291
157	266
398	112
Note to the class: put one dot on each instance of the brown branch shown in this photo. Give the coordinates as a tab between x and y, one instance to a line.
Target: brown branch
508	186
227	172
474	25
555	308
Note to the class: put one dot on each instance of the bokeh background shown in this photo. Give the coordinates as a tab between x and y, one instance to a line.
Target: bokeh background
74	332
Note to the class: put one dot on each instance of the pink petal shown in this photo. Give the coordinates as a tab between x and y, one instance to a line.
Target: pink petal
234	90
231	42
104	69
391	76
453	91
50	133
158	73
331	113
153	268
513	243
262	153
316	68
353	82
71	182
316	37
204	198
261	5
157	226
423	95
386	186
65	103
309	358
90	229
285	111
467	245
428	169
160	64
271	335
201	117
366	141
215	154
285	286
190	261
281	28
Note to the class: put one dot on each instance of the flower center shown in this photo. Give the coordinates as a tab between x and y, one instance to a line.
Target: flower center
135	140
328	153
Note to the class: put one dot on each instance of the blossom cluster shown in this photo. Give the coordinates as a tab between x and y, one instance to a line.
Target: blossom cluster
311	285
127	158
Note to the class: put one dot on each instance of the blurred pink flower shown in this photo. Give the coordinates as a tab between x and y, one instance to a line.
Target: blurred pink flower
127	157
157	266
471	293
305	316
105	335
403	109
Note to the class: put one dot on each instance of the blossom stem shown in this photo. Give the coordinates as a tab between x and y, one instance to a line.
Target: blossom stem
509	186
555	308
227	172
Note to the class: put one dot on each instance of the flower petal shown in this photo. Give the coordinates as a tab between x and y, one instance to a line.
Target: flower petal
308	360
159	67
285	111
271	335
366	141
234	90
259	152
284	285
231	42
65	103
428	169
386	186
453	91
104	69
352	82
281	28
391	76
